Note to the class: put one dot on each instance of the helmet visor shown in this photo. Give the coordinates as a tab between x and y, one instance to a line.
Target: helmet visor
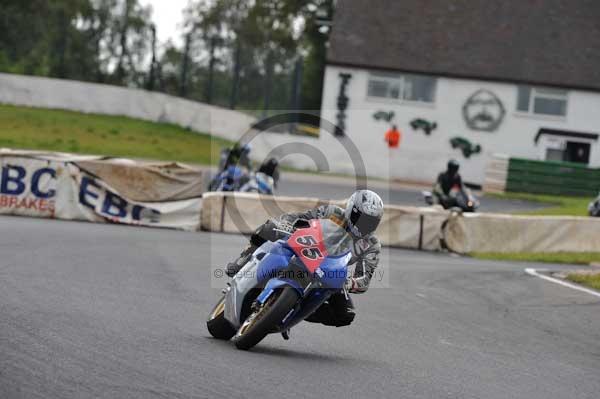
365	224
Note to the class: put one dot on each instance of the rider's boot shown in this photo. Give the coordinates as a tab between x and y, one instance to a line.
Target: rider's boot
235	266
338	311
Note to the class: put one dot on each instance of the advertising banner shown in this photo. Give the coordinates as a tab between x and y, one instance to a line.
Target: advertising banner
52	186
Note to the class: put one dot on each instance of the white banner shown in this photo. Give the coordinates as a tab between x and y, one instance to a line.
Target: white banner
55	188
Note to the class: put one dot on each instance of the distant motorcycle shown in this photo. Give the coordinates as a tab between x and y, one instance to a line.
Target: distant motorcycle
460	197
236	178
259	183
230	179
283	283
594	207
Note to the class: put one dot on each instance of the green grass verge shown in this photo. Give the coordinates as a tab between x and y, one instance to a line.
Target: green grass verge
575	258
558	205
590	280
57	130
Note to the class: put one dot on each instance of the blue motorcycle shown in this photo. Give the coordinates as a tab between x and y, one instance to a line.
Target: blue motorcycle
235	178
259	183
283	283
230	179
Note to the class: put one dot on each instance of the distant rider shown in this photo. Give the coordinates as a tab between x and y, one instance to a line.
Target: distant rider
360	218
445	182
270	167
236	155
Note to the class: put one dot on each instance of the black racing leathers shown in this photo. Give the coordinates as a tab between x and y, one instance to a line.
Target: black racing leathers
445	182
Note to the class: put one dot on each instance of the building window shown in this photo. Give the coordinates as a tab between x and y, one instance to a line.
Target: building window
570	151
542	101
402	87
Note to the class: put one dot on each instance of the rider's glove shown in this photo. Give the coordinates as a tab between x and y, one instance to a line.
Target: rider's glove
284	226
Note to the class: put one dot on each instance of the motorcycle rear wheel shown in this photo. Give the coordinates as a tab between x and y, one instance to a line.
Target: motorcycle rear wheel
265	319
217	325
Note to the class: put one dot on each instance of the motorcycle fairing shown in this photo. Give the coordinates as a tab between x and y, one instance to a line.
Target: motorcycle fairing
308	245
334	277
265	262
270	263
335	271
229	177
239	286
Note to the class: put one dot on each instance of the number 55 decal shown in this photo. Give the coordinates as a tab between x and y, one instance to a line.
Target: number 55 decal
306	241
308	245
312	253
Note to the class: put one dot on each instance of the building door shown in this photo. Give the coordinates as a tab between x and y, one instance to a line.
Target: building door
566	146
577	152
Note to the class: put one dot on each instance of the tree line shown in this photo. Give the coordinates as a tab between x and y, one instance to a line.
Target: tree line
249	54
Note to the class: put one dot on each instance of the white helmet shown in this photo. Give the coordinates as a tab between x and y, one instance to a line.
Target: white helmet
363	212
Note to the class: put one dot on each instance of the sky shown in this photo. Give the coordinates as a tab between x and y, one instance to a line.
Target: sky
167	16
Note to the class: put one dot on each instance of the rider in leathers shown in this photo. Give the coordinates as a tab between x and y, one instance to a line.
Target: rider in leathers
445	182
361	217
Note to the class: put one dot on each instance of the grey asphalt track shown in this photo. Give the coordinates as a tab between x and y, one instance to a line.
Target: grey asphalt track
330	187
103	311
395	196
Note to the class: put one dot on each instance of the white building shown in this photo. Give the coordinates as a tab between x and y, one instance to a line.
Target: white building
465	80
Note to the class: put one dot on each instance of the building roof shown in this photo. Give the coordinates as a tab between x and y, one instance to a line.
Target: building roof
544	42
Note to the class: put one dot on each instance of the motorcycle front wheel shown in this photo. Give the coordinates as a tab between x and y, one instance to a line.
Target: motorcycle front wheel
265	318
217	325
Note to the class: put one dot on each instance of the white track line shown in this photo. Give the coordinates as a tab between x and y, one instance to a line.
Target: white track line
534	272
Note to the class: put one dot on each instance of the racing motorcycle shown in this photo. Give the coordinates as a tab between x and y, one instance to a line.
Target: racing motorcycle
230	179
259	183
283	283
594	207
461	198
235	179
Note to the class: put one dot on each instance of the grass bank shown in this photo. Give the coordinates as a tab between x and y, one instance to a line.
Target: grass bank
57	130
574	258
587	279
557	205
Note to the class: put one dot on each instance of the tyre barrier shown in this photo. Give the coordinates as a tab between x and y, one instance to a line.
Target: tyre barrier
101	190
242	213
429	229
485	232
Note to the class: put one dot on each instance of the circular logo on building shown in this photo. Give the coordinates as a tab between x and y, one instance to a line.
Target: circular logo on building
483	111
